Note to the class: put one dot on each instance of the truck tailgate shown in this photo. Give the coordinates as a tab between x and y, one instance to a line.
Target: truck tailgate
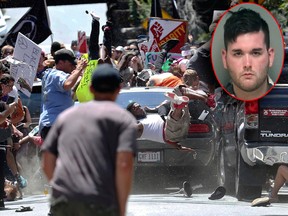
273	115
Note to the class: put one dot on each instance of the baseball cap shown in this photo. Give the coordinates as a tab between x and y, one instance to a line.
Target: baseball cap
105	78
120	48
65	54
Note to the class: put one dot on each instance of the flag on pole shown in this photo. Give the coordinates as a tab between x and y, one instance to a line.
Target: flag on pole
175	14
34	24
156	9
82	42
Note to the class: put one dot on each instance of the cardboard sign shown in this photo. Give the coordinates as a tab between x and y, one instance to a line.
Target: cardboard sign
83	92
160	31
28	53
151	57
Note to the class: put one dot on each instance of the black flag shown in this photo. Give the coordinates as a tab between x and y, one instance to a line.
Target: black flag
156	9
33	24
175	14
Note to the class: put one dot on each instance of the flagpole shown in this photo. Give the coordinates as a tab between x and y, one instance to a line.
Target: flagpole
48	18
51	36
155	8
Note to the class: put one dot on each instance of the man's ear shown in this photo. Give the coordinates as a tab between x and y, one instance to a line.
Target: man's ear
271	56
224	55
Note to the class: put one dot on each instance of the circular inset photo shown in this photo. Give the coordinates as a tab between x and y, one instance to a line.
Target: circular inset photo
247	51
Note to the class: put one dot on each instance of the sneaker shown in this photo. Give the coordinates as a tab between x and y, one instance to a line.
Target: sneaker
93	15
170	44
263	201
218	193
187	189
178	102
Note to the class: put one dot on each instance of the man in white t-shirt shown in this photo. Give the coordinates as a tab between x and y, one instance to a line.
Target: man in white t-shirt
173	130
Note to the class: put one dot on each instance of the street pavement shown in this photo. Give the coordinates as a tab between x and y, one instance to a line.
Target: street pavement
162	204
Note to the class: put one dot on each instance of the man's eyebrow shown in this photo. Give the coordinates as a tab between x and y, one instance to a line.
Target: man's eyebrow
236	50
257	49
253	50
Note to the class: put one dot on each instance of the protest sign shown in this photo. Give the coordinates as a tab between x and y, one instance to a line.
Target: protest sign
160	31
28	54
151	57
83	92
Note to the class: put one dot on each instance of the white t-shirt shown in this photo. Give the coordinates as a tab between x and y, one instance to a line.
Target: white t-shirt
153	128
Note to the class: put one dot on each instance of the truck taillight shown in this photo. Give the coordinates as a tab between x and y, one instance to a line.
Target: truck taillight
251	114
198	128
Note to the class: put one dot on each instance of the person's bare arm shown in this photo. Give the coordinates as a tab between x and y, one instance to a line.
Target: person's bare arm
124	174
140	129
48	164
9	110
72	79
27	117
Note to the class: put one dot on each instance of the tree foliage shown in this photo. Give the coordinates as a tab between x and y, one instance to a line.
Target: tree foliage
279	9
139	10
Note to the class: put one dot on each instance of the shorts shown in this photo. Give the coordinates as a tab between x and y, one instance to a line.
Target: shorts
177	131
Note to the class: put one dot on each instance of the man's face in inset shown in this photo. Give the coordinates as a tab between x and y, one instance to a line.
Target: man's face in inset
248	60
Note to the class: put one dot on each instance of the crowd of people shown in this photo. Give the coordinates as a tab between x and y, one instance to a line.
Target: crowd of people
61	71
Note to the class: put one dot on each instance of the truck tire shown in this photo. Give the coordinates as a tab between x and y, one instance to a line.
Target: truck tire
225	174
248	180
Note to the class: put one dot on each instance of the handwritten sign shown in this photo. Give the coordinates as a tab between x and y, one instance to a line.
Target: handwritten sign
160	31
83	92
28	53
151	57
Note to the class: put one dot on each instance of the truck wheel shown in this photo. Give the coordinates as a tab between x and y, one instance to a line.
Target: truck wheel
225	174
245	186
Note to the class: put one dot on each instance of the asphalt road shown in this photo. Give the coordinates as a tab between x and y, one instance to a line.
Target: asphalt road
163	204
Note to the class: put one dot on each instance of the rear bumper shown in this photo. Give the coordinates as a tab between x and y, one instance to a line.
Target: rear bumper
171	157
268	155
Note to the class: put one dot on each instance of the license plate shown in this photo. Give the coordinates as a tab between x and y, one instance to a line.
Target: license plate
149	157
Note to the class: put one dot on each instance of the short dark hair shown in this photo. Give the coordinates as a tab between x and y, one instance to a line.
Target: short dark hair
244	21
6	78
105	78
74	43
130	105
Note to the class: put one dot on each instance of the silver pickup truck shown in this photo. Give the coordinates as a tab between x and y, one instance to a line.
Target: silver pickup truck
254	140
